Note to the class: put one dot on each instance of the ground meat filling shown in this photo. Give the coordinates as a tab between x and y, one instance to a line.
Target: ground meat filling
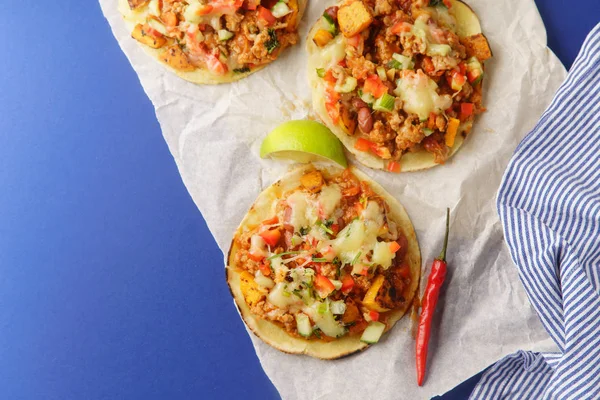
298	268
399	56
221	36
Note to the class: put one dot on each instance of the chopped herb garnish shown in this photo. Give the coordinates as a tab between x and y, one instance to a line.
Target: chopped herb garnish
317	333
322	308
394	64
336	261
304	230
272	43
435	3
328	18
241	70
320	72
286	293
317	259
285	253
325	227
355	259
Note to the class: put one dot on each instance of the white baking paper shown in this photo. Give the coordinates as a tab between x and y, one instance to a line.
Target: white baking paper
214	134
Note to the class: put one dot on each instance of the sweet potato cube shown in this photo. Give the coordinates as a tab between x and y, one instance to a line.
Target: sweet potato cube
250	289
322	37
478	46
145	37
354	18
312	181
349	121
176	58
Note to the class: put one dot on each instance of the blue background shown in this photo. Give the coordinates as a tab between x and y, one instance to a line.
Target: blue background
111	285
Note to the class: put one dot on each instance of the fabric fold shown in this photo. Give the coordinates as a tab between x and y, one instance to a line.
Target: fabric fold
549	205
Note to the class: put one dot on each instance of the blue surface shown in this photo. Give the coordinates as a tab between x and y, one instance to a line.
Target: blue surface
111	287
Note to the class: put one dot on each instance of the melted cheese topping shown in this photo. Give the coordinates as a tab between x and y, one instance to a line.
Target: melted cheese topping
418	93
329	199
298	202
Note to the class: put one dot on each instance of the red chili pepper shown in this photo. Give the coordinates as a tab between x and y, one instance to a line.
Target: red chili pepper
428	303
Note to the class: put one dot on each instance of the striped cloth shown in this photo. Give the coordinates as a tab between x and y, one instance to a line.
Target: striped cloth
549	204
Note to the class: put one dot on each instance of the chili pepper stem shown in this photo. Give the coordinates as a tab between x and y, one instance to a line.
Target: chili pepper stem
443	253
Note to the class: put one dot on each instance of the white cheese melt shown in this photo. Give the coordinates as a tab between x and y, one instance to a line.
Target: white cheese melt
299	205
419	96
282	298
382	255
329	199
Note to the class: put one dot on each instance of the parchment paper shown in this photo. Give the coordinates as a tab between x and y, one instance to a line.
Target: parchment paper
214	134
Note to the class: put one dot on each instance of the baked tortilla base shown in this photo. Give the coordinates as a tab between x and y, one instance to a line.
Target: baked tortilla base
203	76
274	335
467	25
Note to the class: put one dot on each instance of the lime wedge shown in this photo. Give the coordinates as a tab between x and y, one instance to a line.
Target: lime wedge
303	141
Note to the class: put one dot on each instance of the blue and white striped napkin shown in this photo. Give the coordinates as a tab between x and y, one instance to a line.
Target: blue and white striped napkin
549	204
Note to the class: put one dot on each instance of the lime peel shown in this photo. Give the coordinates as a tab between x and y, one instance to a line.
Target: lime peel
303	141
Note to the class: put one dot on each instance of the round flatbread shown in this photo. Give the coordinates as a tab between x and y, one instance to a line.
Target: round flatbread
214	41
325	246
399	83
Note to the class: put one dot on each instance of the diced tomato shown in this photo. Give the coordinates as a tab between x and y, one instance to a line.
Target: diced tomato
335	228
226	6
363	144
473	75
271	237
271	221
393	166
333	111
381	151
205	9
256	257
428	66
323	286
151	31
374	315
466	110
394	247
202	27
317	268
447	3
354	41
331	97
266	15
328	77
364	272
456	80
400	27
375	86
264	268
215	65
347	284
343	63
463	68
